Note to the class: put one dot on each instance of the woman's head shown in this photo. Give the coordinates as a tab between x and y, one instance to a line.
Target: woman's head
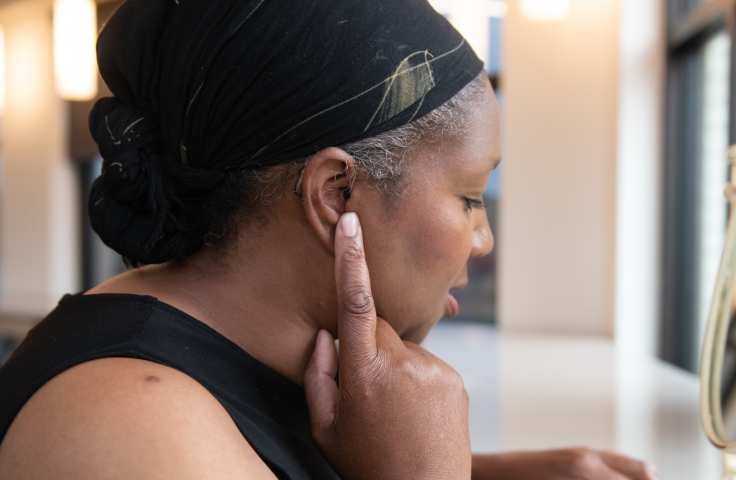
229	111
419	237
418	192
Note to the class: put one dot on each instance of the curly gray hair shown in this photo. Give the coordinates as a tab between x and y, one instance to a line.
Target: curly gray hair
382	157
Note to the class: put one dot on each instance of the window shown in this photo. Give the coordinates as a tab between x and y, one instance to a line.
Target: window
695	172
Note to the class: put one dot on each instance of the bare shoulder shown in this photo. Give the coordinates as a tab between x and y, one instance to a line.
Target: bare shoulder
118	418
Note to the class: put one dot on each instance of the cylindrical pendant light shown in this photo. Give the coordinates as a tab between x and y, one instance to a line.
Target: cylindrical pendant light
3	84
545	10
75	59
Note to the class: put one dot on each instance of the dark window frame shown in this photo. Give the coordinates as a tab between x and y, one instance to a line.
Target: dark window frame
691	24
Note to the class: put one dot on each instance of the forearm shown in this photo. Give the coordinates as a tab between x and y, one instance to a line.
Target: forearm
560	464
522	465
496	466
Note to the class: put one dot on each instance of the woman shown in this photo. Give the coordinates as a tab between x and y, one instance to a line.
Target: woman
261	157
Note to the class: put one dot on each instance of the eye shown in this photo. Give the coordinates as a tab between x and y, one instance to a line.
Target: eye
474	204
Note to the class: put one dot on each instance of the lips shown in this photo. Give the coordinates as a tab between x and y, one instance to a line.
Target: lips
451	306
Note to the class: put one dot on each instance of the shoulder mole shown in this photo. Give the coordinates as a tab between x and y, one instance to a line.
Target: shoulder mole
152	379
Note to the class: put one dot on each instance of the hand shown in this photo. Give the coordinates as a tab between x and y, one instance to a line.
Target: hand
398	412
569	464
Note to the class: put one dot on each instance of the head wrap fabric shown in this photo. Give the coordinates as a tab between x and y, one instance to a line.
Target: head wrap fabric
203	87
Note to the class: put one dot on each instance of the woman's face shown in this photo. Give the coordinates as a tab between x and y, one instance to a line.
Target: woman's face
417	247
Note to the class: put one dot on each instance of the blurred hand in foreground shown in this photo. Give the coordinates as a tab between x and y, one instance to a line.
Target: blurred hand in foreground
569	464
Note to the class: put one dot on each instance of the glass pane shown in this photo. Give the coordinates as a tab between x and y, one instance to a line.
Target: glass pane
696	170
714	170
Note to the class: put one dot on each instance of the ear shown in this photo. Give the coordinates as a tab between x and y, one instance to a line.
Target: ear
325	188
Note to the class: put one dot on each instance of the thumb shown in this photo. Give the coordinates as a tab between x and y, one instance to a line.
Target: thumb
320	386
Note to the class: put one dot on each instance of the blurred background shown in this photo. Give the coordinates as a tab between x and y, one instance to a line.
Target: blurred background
608	207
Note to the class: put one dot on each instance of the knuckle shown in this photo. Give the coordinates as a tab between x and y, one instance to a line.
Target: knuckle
455	380
457	386
582	461
433	372
643	469
353	253
311	375
449	377
364	388
462	393
357	300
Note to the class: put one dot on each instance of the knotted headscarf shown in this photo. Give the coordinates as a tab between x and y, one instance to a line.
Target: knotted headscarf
203	87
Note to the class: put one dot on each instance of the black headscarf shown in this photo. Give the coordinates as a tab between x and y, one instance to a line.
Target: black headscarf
203	87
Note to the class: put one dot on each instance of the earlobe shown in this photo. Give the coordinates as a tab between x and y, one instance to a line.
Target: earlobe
325	188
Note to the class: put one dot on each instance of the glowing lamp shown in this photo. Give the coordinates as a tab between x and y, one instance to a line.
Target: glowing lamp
3	87
75	59
545	10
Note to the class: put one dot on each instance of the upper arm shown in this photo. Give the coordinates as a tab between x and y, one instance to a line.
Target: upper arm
125	418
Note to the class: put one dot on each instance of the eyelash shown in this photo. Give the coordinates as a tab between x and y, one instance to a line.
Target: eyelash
474	204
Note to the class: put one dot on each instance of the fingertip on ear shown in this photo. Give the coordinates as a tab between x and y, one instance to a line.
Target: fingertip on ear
325	179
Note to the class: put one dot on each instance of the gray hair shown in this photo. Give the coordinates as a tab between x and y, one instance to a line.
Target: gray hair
382	157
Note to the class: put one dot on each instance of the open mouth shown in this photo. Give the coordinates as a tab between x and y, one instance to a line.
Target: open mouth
451	306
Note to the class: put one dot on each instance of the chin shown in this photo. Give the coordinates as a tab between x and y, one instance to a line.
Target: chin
418	333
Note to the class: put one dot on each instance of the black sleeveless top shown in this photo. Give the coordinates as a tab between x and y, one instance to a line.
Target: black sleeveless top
270	410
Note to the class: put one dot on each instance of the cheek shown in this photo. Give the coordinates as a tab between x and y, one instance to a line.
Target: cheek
414	258
438	248
440	243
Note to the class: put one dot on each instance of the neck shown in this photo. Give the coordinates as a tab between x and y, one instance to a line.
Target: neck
270	300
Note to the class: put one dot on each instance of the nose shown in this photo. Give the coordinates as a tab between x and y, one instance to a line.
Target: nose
482	236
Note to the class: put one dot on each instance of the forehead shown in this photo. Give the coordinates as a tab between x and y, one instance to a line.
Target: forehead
472	152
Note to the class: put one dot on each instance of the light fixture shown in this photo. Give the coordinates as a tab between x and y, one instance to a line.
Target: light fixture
470	18
545	10
484	8
3	87
75	59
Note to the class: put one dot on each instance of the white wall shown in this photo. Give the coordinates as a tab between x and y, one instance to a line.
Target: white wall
638	223
639	173
558	211
39	257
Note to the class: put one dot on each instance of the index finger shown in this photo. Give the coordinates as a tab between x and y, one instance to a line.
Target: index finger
356	321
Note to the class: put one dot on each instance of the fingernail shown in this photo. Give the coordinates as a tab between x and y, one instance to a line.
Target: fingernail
349	224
